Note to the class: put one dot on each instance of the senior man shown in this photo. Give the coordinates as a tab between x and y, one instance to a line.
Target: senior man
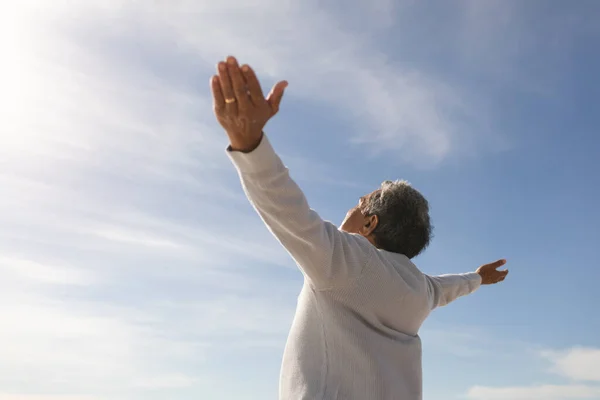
355	332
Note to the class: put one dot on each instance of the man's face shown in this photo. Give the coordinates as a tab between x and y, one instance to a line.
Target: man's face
355	221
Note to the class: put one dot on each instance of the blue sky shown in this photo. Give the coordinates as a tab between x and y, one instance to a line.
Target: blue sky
132	267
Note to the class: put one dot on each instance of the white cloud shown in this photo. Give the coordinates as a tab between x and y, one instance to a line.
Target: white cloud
43	272
139	238
88	348
113	203
578	364
8	396
542	392
166	382
394	107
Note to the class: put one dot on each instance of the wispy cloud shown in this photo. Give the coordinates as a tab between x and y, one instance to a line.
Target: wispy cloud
542	392
578	365
8	396
29	270
120	240
393	106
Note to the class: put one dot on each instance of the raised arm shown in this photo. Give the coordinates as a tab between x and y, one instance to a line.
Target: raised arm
444	289
327	256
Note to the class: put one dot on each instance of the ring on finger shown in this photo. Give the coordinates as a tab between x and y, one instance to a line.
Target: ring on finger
230	100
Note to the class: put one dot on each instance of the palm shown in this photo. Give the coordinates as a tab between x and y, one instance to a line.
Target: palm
489	272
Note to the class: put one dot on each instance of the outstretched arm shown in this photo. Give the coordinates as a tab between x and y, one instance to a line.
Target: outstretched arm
444	289
327	256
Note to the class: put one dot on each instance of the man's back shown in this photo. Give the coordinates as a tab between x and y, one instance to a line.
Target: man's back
359	341
354	335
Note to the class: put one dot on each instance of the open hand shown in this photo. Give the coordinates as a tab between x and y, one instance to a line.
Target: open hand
489	272
240	106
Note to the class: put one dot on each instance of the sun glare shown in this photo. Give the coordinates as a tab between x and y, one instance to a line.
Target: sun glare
21	81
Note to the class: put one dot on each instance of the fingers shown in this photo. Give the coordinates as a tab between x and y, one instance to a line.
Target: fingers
239	84
227	89
500	276
496	264
238	97
218	99
490	273
254	89
275	96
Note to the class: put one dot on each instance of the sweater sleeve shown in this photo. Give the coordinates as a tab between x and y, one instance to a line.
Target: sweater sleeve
444	289
327	257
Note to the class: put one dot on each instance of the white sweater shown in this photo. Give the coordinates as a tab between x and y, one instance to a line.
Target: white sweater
355	332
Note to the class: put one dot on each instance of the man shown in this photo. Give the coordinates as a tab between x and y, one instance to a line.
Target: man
355	333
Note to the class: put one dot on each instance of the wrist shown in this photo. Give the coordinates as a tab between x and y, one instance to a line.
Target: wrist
245	146
483	280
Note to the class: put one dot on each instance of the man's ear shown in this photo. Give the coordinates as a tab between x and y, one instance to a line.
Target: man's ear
369	225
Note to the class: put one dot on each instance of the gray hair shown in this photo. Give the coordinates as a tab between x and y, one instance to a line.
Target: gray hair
404	226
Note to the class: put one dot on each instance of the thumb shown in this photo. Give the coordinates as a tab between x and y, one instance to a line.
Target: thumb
275	95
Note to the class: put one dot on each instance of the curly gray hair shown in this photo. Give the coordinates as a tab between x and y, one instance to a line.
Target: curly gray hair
404	226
